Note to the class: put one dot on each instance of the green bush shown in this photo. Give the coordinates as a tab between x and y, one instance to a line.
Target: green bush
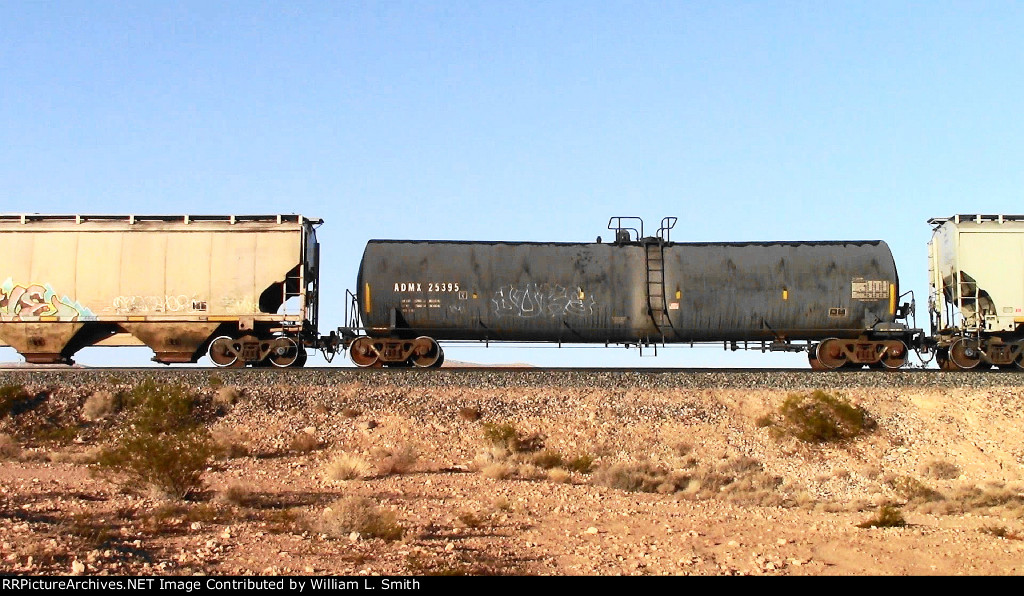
823	418
887	517
163	448
13	399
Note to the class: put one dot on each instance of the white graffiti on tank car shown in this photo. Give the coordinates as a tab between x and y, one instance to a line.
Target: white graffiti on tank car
541	300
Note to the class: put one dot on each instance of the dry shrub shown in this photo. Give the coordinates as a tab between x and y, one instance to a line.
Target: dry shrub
821	417
350	412
474	519
304	442
547	459
227	396
940	470
399	460
238	494
9	448
101	404
229	444
469	413
886	517
348	467
362	516
11	399
580	463
506	436
914	491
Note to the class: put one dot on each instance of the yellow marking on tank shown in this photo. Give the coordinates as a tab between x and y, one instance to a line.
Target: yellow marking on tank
366	298
785	294
892	299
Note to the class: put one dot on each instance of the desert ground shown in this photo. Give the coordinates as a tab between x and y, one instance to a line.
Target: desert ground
473	472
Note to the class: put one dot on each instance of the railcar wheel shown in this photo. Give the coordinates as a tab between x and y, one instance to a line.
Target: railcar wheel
830	353
964	355
426	352
284	352
362	353
224	354
895	355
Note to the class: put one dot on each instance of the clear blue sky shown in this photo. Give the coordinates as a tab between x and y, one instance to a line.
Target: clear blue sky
522	121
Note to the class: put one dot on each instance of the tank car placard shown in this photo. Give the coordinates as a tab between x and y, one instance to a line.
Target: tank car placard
867	289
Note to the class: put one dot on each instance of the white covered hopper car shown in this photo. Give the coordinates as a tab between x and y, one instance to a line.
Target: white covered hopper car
242	289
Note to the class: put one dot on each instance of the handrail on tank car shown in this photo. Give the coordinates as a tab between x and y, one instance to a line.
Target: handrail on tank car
622	232
664	232
351	310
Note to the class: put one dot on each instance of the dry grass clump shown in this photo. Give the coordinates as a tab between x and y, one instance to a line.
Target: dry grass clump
347	466
469	413
740	479
101	404
498	470
986	499
559	475
940	470
398	460
360	515
229	444
90	455
304	442
820	417
506	436
1002	532
9	448
886	517
644	477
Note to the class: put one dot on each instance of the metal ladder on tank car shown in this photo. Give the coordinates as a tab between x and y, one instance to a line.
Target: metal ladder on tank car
657	301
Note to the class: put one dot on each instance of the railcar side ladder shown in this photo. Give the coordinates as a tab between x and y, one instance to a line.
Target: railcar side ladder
657	303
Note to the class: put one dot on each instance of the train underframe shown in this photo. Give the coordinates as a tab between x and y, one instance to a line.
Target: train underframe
955	350
874	351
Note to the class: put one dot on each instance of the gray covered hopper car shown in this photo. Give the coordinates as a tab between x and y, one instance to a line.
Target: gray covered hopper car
839	298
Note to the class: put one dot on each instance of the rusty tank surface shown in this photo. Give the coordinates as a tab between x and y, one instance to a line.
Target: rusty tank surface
242	288
840	298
